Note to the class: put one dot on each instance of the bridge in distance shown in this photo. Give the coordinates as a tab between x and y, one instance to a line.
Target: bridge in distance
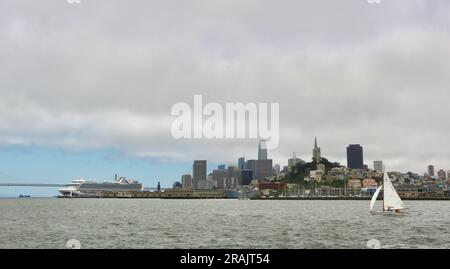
50	185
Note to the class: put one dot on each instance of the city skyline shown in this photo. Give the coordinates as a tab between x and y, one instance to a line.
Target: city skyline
355	151
90	96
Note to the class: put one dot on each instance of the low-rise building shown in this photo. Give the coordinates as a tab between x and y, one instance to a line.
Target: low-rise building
354	183
369	182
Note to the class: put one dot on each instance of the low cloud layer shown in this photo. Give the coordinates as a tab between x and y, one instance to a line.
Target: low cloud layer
105	74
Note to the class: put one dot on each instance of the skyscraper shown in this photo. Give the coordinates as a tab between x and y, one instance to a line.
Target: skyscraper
252	166
441	174
316	152
378	166
198	172
264	169
355	159
431	170
241	163
262	150
247	176
186	181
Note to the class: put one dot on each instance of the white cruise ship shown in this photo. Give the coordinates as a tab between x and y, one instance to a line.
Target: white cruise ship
91	188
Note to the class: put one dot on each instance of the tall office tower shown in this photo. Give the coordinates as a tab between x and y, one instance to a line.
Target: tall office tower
448	174
218	176
316	152
186	181
431	170
264	169
441	174
252	166
355	159
241	163
247	176
198	172
221	167
378	166
262	150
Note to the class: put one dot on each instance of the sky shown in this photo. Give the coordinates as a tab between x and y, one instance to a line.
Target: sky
86	89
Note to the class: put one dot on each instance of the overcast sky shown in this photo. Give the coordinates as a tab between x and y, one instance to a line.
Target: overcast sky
104	74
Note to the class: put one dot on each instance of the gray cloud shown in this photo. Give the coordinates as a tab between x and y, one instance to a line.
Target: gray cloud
104	74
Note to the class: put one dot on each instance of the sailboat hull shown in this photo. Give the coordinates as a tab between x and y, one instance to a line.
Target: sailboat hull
387	213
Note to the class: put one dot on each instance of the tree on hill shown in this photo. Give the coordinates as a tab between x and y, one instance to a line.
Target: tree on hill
299	171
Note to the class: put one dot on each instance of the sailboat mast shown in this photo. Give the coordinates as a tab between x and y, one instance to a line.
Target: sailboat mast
383	190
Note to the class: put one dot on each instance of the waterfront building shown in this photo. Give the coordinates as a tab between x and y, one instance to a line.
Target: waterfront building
354	183
186	181
202	185
262	150
369	183
378	166
430	170
355	159
176	185
316	152
199	172
207	184
276	186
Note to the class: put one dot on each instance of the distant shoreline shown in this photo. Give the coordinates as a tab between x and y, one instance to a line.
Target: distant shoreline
324	198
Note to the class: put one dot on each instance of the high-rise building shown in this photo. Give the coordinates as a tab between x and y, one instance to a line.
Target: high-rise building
441	174
231	177
355	159
448	174
199	172
292	162
316	152
186	181
241	163
378	166
252	166
218	176
262	150
264	169
221	167
431	170
247	177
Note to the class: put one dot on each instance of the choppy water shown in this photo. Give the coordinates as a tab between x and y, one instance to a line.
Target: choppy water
114	223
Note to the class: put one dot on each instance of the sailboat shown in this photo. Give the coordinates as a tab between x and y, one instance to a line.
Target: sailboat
392	204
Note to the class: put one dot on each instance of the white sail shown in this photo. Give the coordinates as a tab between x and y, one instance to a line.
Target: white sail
391	199
374	197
